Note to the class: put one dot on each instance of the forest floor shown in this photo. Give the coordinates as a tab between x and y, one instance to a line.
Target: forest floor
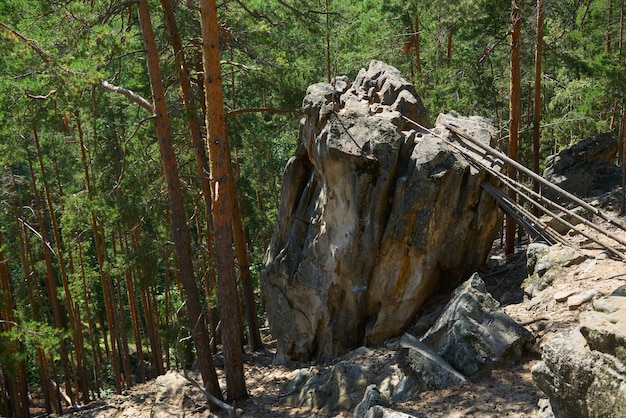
506	390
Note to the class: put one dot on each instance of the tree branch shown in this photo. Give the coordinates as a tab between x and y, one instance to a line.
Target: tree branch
236	112
129	94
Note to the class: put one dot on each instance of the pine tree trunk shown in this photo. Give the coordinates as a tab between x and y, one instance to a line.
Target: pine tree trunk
537	93
16	401
109	302
221	189
514	114
180	229
51	287
134	315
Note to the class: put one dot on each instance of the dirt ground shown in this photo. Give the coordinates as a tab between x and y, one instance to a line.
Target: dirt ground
505	391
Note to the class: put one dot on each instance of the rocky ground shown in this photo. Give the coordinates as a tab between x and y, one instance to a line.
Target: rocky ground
506	390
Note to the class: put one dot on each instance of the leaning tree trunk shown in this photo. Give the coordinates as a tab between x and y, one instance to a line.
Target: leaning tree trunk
221	190
515	114
180	229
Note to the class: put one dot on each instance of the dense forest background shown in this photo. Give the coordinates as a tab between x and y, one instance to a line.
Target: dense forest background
91	295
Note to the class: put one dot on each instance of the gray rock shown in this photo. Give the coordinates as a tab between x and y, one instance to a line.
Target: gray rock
585	168
371	206
544	264
580	381
382	412
371	398
338	388
620	291
427	370
174	395
605	329
473	333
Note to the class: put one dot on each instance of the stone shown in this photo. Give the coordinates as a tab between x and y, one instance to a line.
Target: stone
370	208
371	398
575	301
564	294
585	168
605	331
580	381
174	394
472	333
426	368
381	412
620	291
338	388
544	263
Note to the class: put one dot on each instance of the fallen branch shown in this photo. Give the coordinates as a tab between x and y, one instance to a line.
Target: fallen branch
129	94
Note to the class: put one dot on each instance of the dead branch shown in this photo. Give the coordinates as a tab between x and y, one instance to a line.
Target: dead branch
34	97
236	112
130	95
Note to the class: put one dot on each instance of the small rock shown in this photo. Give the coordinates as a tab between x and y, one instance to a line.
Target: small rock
371	398
575	301
620	291
563	295
545	409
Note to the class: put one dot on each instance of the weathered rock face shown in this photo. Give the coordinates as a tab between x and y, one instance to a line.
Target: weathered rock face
586	168
582	370
376	214
473	333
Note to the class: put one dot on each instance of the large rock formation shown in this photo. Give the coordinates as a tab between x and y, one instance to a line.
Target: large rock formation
586	168
376	214
582	370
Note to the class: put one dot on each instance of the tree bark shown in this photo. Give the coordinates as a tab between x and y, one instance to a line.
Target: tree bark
221	190
537	93
180	229
514	114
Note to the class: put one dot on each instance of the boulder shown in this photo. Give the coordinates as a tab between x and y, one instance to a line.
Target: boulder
174	395
580	380
425	369
338	388
371	398
585	168
473	333
544	263
376	214
378	411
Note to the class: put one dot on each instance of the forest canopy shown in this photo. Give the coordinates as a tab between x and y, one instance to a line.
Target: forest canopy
91	293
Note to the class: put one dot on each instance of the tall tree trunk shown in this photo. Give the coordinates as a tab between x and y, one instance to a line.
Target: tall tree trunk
51	288
221	189
109	302
537	93
134	314
180	229
514	113
122	330
17	400
418	59
69	304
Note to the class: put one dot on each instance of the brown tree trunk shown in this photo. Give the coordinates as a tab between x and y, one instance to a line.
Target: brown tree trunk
134	316
16	401
537	93
418	59
514	114
180	229
221	189
109	302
